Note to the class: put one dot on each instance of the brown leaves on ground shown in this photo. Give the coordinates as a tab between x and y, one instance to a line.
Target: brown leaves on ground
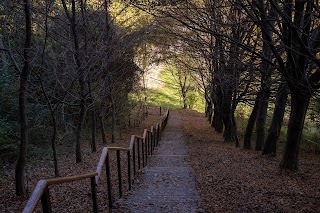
231	179
76	196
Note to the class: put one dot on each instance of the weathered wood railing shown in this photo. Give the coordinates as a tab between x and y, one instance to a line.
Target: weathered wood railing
140	148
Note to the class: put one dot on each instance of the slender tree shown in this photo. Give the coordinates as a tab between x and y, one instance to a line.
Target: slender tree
20	172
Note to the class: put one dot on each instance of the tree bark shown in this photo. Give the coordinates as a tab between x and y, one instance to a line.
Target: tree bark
299	107
103	130
250	125
261	118
53	145
208	109
217	119
234	124
277	119
72	20
20	172
113	117
227	117
94	129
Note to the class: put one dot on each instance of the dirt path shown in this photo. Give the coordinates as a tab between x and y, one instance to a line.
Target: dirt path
168	182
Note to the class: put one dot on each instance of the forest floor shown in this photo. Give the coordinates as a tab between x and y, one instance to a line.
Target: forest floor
229	179
68	197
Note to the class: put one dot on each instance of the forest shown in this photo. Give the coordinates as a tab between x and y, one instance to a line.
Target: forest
77	72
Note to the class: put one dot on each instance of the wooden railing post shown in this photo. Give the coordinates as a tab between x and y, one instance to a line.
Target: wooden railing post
45	200
109	181
147	147
119	173
143	149
158	134
134	159
94	194
139	161
129	169
154	137
151	143
160	130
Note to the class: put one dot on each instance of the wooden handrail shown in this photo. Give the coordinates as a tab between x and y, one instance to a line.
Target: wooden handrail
145	131
137	136
101	163
41	189
118	148
131	142
43	184
35	196
56	181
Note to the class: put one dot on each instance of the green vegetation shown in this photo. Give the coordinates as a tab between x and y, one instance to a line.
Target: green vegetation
311	135
168	94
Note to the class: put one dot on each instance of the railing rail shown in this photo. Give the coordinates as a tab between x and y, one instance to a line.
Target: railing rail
140	148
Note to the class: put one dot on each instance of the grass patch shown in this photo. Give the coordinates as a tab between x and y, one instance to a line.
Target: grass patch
169	94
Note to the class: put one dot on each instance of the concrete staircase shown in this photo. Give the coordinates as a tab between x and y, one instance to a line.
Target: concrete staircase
168	182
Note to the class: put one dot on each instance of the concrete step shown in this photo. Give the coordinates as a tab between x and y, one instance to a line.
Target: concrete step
168	161
167	184
171	148
160	207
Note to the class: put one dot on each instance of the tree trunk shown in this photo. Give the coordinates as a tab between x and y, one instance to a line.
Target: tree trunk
217	119
113	118
299	107
53	145
24	75
113	126
250	125
3	55
277	119
208	110
261	118
234	106
103	130
227	117
81	76
184	99
94	129
79	129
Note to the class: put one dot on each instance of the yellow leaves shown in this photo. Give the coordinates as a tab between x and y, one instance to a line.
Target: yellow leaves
128	16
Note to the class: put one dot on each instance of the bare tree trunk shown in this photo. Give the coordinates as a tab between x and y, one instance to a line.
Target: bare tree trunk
250	125
261	118
55	130
299	107
208	110
53	145
103	130
2	54
217	120
227	117
265	70
94	129
234	106
114	123
184	98
81	76
277	119
93	118
20	172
